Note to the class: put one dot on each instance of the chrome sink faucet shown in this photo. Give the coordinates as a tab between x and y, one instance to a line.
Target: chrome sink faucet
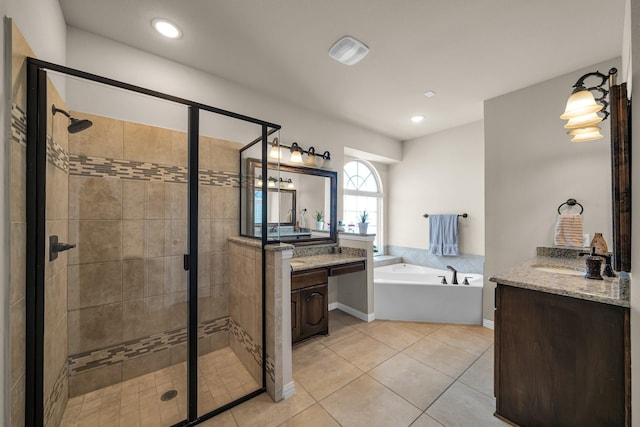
454	280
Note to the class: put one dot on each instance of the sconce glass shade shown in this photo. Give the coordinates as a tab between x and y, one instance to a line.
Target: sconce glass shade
259	182
585	134
271	183
579	104
276	152
585	120
327	160
296	157
290	184
311	157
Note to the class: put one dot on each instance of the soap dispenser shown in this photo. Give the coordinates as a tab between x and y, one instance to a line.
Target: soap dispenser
594	264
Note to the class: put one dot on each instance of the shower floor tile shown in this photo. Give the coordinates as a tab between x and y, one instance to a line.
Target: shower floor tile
137	402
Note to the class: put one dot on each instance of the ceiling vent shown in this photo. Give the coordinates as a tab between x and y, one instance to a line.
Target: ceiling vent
348	50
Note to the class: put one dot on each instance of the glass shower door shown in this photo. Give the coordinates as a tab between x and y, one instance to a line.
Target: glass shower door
115	285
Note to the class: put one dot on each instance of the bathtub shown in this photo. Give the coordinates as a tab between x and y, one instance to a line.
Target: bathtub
412	292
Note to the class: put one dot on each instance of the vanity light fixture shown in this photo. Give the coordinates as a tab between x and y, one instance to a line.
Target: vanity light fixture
348	50
584	104
166	28
313	159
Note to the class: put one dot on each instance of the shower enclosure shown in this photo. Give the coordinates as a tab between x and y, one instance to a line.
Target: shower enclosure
133	312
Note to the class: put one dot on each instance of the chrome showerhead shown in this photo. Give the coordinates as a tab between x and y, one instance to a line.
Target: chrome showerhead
75	125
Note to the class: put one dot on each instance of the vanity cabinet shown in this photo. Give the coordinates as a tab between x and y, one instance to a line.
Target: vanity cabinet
310	299
309	303
560	361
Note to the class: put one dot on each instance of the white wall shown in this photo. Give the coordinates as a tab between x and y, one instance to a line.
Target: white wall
635	209
532	167
92	53
439	174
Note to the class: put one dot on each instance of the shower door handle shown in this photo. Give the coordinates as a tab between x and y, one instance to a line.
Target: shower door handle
55	247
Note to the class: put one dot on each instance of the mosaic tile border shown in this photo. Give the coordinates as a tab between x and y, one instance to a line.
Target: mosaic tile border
82	362
56	155
102	167
252	347
52	403
18	125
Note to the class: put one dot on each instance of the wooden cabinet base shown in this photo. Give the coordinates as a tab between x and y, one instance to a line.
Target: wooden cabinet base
560	361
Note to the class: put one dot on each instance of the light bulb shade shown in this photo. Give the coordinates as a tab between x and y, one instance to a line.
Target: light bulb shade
579	104
585	120
296	157
590	133
271	183
275	152
311	157
290	184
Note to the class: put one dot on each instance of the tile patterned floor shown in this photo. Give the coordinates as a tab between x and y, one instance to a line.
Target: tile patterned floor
136	402
382	373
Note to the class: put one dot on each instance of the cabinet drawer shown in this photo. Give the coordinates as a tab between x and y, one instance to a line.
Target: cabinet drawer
302	279
346	268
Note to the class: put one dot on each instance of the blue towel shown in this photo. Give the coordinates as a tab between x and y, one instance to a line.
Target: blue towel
443	235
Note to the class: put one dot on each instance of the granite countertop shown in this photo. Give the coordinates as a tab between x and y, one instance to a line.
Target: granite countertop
611	290
323	260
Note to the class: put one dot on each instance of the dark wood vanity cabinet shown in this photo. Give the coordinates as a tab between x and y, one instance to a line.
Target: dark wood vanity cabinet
309	303
560	361
310	299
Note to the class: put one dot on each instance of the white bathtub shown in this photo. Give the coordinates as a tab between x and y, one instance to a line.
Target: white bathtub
412	292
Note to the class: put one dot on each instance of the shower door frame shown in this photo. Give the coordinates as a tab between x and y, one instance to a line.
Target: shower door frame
36	236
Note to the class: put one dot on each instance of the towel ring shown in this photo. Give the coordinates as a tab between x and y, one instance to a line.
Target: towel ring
571	202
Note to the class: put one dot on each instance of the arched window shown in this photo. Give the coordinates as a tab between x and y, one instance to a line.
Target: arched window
363	190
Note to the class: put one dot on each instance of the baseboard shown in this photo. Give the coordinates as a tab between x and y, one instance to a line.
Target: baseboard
333	306
355	313
487	323
288	390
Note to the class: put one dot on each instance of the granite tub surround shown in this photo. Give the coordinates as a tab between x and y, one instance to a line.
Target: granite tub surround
464	262
611	290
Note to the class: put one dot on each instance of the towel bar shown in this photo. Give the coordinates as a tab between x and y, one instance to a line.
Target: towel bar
464	215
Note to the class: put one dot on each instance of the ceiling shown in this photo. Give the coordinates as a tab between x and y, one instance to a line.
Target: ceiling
467	51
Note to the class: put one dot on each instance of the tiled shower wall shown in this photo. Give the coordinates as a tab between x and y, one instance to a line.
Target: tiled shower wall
128	215
245	305
55	339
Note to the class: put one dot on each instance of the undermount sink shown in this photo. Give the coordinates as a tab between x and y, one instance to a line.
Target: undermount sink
559	270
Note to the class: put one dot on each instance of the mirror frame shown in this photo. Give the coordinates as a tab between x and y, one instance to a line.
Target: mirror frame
253	163
621	176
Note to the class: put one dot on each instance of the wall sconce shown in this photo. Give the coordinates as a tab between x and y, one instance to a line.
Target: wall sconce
313	159
272	182
582	107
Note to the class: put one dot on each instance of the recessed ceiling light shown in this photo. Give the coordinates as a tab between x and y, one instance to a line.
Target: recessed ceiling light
166	28
348	50
430	93
417	119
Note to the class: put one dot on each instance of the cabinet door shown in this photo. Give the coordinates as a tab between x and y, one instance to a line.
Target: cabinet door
314	305
295	315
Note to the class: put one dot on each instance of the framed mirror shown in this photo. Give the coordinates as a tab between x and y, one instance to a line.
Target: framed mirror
621	176
295	196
